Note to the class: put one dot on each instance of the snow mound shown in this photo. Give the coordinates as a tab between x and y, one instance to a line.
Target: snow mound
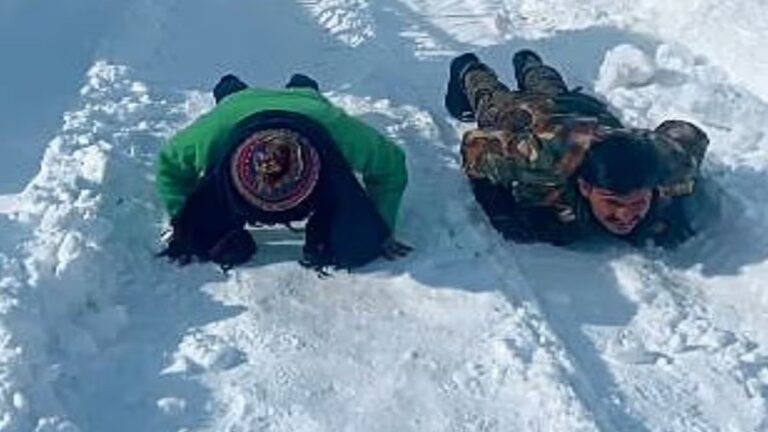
87	212
625	66
731	34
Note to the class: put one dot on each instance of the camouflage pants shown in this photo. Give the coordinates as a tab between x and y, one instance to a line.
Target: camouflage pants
506	148
492	101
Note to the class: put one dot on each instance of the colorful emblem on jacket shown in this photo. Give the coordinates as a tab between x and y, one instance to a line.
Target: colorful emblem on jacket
275	169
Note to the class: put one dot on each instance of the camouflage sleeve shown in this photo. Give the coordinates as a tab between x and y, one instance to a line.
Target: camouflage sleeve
682	146
671	224
479	85
520	224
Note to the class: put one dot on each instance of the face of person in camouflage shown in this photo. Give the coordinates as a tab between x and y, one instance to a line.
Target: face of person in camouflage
618	213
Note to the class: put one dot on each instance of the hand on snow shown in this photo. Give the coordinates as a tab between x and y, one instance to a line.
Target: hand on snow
393	249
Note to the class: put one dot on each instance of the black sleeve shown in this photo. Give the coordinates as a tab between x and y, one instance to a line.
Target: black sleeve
522	225
205	221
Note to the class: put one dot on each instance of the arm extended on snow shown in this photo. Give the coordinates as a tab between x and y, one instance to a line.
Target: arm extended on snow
516	223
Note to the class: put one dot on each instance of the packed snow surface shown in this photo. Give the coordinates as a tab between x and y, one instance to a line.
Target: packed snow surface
469	333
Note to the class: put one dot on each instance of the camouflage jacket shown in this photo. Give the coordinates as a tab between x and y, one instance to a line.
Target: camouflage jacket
535	148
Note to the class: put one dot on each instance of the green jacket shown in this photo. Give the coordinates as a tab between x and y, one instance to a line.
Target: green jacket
183	161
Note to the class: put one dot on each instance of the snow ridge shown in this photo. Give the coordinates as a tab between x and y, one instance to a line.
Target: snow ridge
60	289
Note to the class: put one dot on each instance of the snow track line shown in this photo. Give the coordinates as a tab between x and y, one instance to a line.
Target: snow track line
518	291
581	384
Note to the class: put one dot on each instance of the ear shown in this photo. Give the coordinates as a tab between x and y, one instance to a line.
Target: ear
584	188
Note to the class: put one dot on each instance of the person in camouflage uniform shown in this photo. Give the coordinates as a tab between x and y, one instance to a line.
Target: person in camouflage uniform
550	164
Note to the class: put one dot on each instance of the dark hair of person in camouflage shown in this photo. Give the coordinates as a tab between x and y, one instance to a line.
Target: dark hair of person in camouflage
622	163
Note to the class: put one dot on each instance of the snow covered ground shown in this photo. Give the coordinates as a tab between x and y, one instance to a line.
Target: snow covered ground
470	333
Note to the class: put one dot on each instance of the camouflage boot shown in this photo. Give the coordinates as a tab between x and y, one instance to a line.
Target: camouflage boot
522	61
533	76
456	101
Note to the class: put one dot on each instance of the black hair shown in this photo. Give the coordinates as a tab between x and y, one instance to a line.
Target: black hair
621	161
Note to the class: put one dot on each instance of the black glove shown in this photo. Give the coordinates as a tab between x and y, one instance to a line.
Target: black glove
316	253
204	229
318	258
235	248
178	247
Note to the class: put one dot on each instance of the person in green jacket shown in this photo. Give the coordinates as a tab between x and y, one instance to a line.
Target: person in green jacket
276	156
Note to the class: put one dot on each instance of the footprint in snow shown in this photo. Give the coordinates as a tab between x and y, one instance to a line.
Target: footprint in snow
200	352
